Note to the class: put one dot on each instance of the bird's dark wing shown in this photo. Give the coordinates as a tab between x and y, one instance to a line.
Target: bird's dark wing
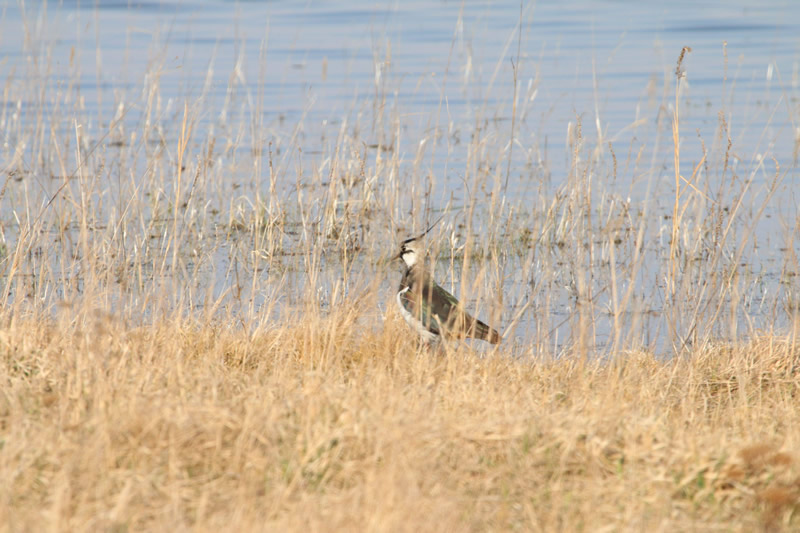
443	304
438	309
456	320
413	302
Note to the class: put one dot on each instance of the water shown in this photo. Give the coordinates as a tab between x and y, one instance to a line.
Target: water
445	65
418	82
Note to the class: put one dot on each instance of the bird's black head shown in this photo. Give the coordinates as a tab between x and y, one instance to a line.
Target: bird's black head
411	248
409	251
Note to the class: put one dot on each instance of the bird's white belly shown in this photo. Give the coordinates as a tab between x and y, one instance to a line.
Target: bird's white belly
413	321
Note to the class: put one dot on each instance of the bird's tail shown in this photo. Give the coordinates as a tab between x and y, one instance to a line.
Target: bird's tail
479	330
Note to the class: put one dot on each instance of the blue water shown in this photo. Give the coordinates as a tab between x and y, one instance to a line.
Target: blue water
428	83
442	66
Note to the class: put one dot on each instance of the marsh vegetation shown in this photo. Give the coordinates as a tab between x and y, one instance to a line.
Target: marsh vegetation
197	327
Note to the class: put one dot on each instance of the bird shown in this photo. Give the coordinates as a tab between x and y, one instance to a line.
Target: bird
429	309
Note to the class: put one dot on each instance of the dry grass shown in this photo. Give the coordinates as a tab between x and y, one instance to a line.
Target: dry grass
317	428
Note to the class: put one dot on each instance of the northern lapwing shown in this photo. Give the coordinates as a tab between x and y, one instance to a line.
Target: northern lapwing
429	309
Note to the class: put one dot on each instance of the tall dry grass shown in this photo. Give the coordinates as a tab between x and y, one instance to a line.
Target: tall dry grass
197	330
321	427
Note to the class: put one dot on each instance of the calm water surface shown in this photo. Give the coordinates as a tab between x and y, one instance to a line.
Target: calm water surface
419	79
443	64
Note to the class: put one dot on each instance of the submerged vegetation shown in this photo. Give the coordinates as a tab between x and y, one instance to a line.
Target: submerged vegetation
197	327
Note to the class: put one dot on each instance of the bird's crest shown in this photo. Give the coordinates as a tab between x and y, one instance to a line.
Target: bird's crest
409	251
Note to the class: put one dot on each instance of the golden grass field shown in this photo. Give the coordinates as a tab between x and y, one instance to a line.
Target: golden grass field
315	427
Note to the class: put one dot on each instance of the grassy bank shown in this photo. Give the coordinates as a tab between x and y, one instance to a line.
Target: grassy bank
316	427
